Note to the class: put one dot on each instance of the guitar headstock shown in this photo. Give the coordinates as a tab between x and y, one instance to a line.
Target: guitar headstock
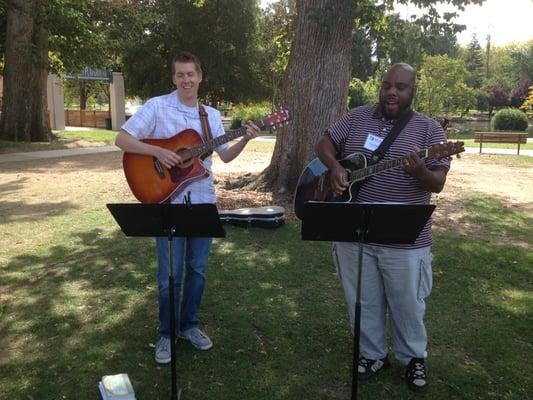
276	118
443	150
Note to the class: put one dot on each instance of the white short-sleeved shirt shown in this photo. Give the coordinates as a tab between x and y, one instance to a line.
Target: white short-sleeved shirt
163	117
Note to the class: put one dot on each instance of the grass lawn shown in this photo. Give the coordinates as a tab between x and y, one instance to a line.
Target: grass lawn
78	301
63	140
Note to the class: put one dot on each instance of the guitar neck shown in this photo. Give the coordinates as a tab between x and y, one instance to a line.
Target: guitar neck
214	143
378	168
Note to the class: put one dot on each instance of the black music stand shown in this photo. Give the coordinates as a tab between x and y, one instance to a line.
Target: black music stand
169	220
363	223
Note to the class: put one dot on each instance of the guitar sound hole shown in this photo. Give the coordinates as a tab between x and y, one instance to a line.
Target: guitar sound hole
185	155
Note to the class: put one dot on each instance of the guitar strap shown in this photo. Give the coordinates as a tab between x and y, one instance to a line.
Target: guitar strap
379	153
205	128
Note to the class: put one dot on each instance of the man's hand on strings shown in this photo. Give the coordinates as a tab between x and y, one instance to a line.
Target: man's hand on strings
167	157
338	180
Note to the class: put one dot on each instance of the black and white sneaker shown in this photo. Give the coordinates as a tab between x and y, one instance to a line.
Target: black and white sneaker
416	375
367	368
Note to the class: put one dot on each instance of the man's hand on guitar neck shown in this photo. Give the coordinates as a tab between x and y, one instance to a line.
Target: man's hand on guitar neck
252	131
431	180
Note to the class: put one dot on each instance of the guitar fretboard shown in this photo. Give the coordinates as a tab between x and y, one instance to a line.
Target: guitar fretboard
214	143
363	173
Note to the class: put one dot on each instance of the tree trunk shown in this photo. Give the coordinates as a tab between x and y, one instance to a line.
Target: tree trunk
83	94
24	110
315	87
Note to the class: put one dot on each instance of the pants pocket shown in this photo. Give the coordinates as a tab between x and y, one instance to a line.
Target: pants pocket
425	282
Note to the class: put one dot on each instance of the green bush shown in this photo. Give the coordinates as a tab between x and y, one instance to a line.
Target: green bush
361	93
248	112
509	119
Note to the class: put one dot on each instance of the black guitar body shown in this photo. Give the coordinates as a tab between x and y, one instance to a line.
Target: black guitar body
313	183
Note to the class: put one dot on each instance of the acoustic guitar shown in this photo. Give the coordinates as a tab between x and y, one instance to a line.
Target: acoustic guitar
314	182
151	182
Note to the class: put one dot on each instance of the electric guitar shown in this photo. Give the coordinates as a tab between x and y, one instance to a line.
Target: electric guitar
314	182
151	182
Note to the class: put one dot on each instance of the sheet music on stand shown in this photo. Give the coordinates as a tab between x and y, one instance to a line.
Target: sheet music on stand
383	222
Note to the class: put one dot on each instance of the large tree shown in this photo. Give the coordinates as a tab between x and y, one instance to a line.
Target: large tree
316	83
315	87
24	116
41	35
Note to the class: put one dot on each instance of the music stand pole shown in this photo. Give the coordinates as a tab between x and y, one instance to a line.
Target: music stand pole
357	316
174	394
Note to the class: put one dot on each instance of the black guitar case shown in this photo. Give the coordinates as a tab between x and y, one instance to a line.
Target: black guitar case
262	217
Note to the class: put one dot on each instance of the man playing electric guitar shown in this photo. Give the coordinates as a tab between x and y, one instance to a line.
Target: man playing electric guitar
395	278
161	118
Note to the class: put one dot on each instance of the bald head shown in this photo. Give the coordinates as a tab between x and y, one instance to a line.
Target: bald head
397	90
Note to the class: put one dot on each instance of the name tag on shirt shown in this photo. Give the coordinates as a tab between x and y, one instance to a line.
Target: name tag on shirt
372	142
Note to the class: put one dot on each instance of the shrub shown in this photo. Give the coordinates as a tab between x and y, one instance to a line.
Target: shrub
358	93
248	112
509	119
482	100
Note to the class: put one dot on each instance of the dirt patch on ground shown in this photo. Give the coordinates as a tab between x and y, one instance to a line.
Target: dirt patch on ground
32	188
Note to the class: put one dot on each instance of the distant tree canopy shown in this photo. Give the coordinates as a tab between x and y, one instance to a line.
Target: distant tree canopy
246	52
223	34
442	88
383	39
474	63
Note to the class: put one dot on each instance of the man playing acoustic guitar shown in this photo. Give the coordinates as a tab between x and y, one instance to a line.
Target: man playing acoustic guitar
395	278
162	118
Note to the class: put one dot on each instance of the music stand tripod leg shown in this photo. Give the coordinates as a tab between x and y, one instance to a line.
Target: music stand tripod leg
175	393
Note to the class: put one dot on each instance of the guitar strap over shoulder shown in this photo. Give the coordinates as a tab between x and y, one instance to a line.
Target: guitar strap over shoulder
207	136
379	153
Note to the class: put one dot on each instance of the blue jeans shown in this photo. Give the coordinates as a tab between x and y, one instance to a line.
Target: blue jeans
196	251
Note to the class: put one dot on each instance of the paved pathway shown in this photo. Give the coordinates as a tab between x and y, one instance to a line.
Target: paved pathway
37	155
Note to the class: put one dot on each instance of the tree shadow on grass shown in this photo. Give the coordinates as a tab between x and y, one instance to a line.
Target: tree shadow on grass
70	314
275	310
23	211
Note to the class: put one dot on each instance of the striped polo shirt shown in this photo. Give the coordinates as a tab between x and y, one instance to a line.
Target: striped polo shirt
349	135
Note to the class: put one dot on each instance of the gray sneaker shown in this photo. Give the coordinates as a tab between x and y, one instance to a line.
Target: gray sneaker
197	338
162	350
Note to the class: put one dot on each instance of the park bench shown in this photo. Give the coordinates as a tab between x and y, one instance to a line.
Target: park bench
500	137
